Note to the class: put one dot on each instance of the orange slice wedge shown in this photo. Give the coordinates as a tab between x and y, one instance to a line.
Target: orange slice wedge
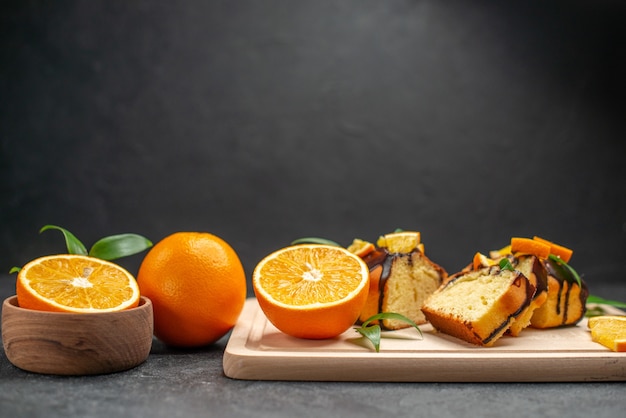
609	330
400	242
361	247
502	252
560	251
530	246
75	283
311	291
480	260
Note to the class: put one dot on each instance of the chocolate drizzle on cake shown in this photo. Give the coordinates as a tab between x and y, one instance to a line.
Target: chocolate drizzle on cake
380	258
531	291
479	306
563	276
400	282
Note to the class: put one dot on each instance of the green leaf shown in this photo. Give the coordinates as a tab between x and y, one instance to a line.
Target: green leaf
391	315
74	246
595	311
373	332
15	270
598	299
118	246
567	267
599	310
505	264
314	240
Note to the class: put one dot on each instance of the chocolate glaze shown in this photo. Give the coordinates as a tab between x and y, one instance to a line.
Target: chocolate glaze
563	275
519	280
540	272
380	257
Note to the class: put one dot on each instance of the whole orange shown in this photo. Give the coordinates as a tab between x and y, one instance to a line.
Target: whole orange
197	286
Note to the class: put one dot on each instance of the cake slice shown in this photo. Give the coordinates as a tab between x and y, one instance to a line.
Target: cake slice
534	270
561	295
566	301
401	278
479	306
567	292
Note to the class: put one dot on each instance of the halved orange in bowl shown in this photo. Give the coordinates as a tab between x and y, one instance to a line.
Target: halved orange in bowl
75	283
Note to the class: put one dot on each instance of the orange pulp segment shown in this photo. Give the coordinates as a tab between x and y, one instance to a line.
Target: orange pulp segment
560	251
310	290
75	283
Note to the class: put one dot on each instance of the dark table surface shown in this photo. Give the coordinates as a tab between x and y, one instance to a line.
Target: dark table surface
176	383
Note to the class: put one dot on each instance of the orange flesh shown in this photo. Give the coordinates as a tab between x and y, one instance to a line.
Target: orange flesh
62	283
312	291
304	278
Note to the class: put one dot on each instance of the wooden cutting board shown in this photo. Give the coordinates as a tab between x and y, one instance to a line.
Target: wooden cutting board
256	350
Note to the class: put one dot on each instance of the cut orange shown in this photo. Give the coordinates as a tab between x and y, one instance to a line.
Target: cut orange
480	260
502	252
530	246
609	330
311	291
560	251
400	242
360	247
75	283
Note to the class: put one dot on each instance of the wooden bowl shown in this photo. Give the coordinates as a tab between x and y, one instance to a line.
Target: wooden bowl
76	344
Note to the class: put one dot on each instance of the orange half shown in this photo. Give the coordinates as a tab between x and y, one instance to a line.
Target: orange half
75	283
311	291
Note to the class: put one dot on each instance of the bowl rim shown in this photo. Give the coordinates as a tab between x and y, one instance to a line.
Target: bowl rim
11	303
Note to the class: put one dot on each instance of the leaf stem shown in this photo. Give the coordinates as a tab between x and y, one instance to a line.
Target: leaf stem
107	248
74	245
314	240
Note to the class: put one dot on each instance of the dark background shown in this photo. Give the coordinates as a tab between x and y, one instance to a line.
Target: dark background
266	121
